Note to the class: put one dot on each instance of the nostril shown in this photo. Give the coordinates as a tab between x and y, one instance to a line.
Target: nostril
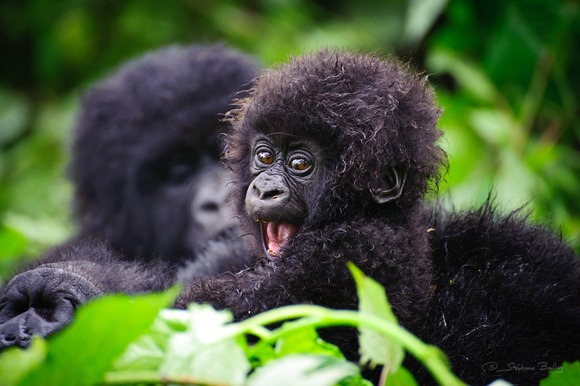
274	194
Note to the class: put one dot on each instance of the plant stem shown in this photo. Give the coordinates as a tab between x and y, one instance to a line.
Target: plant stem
430	356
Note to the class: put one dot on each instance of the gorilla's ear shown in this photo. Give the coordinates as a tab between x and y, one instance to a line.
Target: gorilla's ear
392	182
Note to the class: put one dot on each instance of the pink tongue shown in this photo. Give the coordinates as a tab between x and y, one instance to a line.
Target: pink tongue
277	235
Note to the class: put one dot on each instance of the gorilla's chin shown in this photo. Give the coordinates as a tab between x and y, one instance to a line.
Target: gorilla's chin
275	236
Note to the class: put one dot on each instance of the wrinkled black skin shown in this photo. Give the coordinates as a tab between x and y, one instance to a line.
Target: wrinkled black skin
278	188
148	184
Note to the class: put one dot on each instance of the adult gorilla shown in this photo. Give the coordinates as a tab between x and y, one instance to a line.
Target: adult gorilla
146	157
332	154
149	189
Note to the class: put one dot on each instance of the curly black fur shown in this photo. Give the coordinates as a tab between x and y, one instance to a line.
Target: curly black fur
146	135
354	105
483	287
507	297
373	114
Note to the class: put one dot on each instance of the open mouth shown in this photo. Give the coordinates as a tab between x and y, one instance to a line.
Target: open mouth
276	236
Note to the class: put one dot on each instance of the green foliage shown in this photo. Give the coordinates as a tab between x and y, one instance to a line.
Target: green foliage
566	375
375	347
505	77
101	332
123	340
505	72
16	363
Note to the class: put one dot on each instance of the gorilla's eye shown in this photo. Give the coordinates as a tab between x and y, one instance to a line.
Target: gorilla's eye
265	157
300	164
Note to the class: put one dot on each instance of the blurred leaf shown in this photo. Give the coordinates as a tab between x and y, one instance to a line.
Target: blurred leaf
11	242
147	352
260	353
75	35
192	353
16	362
467	74
307	370
402	377
421	14
493	126
567	375
39	232
306	341
514	182
14	110
101	331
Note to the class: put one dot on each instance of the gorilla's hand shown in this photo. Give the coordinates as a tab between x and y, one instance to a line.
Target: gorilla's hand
40	302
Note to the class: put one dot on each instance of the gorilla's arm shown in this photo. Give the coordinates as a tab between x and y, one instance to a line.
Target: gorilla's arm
42	298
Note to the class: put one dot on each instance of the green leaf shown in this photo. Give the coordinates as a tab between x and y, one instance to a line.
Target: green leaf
12	242
16	362
260	353
374	346
402	377
144	354
421	14
306	341
494	126
101	331
469	75
307	370
205	352
147	352
567	374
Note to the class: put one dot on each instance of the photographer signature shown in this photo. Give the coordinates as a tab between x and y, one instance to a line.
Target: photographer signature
540	366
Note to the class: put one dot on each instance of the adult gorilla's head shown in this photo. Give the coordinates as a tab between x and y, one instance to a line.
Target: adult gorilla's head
332	136
146	151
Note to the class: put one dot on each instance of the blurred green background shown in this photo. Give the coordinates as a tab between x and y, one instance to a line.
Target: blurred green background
506	73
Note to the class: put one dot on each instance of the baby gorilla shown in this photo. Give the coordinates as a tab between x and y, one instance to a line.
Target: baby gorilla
332	154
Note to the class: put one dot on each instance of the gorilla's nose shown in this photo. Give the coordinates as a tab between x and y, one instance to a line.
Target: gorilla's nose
266	196
269	188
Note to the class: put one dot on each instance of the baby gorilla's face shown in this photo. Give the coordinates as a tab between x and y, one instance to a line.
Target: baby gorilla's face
283	168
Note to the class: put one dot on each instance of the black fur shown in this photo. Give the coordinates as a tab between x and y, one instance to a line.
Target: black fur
483	287
507	296
368	114
151	195
42	298
146	146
